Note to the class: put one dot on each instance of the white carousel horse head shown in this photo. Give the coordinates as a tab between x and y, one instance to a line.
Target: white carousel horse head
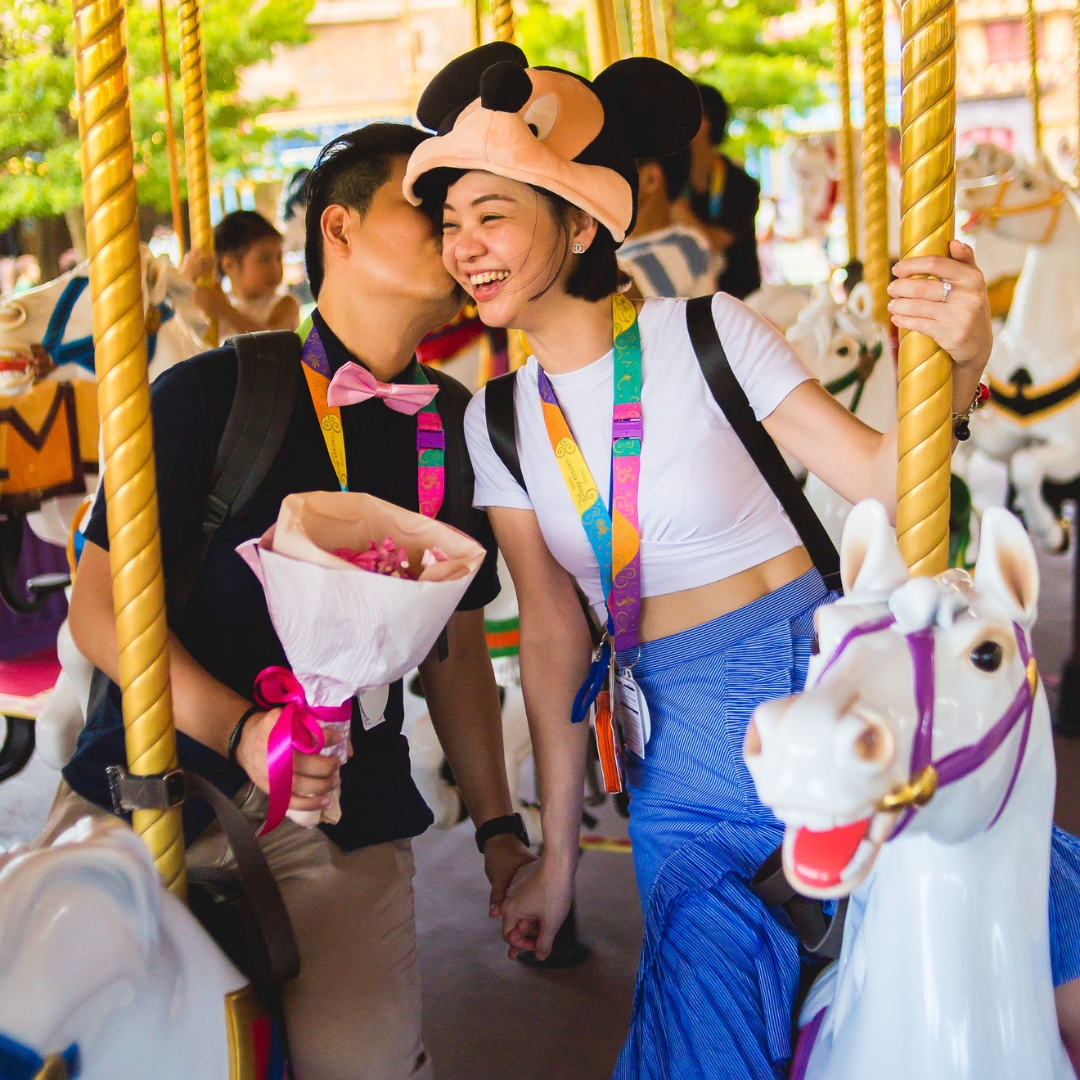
917	769
813	167
98	959
1016	200
56	317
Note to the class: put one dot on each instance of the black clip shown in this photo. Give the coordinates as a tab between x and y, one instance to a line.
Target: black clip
160	792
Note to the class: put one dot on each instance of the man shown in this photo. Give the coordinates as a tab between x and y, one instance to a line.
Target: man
722	200
663	258
375	267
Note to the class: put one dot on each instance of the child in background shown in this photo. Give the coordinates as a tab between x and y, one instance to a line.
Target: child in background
248	252
663	258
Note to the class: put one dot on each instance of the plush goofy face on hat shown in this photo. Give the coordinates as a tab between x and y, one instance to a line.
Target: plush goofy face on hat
555	130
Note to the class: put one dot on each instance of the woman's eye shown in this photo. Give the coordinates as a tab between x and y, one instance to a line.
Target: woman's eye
986	656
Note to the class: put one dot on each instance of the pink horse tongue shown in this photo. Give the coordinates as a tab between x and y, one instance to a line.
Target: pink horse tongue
819	858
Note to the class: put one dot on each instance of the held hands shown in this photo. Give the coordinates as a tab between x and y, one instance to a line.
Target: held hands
504	856
199	268
960	323
536	904
314	776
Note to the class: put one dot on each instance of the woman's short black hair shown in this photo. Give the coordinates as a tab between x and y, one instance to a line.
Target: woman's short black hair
348	172
236	232
597	274
715	109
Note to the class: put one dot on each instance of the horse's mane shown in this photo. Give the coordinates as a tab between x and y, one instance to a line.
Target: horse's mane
106	855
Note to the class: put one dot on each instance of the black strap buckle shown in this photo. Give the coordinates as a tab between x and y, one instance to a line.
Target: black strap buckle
162	791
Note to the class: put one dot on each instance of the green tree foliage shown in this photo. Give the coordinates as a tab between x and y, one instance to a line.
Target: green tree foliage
39	169
718	41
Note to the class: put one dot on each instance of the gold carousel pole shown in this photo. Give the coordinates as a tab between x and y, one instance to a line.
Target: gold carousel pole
601	35
502	15
196	142
644	39
875	138
477	24
927	198
112	241
847	153
1033	57
170	134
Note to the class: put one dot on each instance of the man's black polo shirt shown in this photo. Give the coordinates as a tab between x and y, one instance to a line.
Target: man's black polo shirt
226	626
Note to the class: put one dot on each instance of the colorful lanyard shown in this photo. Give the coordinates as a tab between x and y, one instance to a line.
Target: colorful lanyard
616	537
717	185
430	437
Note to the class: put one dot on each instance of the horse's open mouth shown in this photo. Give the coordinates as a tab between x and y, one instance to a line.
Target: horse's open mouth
832	862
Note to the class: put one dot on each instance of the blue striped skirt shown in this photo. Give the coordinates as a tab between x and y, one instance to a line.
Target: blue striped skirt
719	970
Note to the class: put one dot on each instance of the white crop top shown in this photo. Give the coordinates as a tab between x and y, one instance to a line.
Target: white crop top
705	511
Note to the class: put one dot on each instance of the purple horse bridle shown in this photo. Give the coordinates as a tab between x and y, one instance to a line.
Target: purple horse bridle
925	775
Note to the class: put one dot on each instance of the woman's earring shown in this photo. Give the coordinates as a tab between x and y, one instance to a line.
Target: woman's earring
578	248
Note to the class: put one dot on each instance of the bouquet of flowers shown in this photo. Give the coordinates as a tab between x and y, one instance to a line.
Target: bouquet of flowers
358	590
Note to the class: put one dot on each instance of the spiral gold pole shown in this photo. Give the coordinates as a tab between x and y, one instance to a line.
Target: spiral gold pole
846	151
601	35
875	138
170	134
502	15
1033	57
643	37
112	240
196	141
477	23
927	197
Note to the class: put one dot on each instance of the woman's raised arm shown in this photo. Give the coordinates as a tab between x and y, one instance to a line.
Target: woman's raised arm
855	460
555	656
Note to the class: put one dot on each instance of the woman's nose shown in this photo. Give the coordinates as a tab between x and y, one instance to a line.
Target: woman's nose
468	245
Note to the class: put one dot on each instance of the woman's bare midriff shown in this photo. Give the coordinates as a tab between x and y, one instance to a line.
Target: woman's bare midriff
671	613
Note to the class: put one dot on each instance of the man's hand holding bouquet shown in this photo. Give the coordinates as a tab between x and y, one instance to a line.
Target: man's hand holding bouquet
358	590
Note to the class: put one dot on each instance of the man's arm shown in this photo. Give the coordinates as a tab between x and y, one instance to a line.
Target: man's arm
463	701
203	707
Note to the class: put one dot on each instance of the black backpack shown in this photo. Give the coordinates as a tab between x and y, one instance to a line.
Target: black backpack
819	934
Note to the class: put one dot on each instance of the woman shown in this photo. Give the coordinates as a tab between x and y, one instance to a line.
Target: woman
710	591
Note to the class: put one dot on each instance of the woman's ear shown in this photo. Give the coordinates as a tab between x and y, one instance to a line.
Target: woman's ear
582	228
657	106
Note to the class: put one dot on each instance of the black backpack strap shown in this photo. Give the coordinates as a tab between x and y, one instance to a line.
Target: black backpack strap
501	422
731	398
268	371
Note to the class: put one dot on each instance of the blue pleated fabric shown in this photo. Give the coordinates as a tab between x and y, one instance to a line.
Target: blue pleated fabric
719	970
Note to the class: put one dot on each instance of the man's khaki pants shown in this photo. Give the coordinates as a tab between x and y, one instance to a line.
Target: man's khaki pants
353	1013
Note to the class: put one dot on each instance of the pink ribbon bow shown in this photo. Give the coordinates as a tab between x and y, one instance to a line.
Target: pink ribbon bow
298	728
354	383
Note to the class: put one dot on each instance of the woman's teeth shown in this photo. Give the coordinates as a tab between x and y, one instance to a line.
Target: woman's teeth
488	276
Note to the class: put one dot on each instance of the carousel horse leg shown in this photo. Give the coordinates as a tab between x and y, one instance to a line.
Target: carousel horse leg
1028	469
40	588
18	746
1067	716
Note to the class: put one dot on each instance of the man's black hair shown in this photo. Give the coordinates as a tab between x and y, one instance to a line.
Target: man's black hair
676	169
348	172
236	232
715	109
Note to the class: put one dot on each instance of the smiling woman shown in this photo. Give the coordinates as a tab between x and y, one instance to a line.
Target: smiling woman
621	470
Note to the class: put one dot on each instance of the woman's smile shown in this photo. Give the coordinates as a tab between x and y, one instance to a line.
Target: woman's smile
485	284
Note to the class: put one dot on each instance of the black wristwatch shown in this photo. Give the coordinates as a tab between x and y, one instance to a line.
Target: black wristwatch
509	823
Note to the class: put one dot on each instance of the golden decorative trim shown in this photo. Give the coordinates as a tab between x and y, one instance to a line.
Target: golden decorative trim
53	1068
242	1010
918	791
112	241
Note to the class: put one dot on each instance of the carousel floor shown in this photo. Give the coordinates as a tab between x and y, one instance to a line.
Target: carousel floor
487	1018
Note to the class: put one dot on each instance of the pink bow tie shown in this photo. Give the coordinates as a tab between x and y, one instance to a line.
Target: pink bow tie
354	383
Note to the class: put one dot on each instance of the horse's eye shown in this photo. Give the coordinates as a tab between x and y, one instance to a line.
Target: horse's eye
843	350
1027	185
986	656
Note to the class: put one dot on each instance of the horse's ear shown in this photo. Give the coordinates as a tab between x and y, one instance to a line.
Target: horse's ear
871	566
1006	571
861	301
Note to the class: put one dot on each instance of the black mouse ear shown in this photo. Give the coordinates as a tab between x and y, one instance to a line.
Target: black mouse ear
658	107
458	83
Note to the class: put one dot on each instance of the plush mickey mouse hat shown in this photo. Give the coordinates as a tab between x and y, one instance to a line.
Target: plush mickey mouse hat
556	130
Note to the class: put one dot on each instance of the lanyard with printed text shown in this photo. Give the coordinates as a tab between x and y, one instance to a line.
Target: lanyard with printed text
430	437
615	536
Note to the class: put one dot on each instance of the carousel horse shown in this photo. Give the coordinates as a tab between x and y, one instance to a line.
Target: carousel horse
1033	422
916	774
145	995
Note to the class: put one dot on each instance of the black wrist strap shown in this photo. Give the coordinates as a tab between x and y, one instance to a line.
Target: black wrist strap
238	731
509	823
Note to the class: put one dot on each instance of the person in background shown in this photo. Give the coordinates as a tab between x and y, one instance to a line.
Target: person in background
663	258
27	273
248	251
722	200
